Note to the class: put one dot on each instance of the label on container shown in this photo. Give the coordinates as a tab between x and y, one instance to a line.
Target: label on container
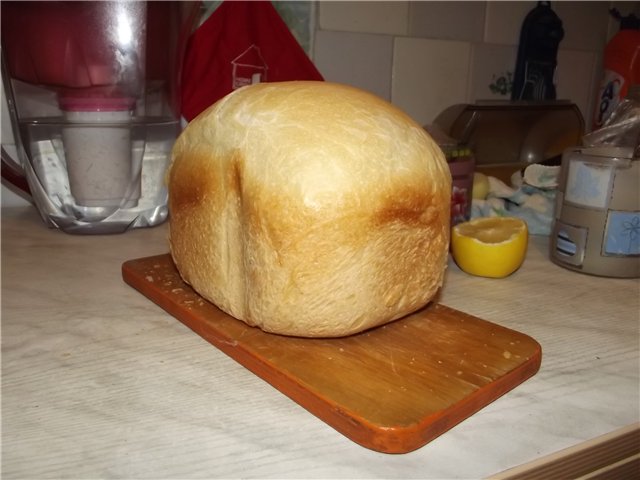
609	95
622	236
589	185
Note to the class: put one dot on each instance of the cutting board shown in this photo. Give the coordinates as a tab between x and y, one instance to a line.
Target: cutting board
391	389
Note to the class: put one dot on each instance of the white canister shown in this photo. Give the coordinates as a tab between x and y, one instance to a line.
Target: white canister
98	151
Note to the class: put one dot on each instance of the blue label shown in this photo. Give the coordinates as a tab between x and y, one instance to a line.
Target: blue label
623	233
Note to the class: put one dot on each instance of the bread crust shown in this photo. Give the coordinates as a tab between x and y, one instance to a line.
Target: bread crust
309	208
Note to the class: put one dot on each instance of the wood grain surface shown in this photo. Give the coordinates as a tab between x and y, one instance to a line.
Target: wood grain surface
391	389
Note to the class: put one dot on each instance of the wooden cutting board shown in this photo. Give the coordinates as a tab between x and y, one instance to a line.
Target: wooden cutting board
391	389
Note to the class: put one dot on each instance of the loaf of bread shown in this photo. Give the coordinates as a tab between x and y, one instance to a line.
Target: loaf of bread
309	209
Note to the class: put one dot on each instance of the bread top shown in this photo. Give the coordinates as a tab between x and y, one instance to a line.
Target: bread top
325	142
282	193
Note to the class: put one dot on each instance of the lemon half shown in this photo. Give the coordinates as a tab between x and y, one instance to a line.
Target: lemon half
491	247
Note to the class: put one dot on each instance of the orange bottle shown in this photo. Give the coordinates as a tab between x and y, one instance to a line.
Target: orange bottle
621	68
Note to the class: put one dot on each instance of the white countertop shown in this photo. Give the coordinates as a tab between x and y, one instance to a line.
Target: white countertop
98	382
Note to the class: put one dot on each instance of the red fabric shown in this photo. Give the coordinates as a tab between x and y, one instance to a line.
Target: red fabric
240	41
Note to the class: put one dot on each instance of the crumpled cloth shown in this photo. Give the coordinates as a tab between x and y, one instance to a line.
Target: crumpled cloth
531	198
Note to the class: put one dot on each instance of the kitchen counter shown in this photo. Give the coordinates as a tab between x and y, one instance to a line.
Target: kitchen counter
98	382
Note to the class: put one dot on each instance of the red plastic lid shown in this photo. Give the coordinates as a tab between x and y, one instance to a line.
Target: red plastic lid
95	104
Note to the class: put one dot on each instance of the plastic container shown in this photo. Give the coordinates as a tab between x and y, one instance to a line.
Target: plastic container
621	68
597	215
93	95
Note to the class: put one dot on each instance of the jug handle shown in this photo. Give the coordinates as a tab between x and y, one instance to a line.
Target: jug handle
13	176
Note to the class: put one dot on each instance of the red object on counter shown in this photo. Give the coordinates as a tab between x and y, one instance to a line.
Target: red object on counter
621	70
242	42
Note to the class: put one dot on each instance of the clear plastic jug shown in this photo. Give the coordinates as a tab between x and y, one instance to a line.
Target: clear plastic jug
93	93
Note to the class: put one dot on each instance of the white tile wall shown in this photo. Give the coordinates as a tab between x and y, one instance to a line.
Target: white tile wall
576	78
585	24
491	65
504	21
450	52
362	59
368	17
447	20
429	75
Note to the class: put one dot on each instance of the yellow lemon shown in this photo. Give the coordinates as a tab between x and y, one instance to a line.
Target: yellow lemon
491	246
481	186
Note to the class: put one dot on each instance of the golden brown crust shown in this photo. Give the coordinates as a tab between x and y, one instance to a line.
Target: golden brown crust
309	208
